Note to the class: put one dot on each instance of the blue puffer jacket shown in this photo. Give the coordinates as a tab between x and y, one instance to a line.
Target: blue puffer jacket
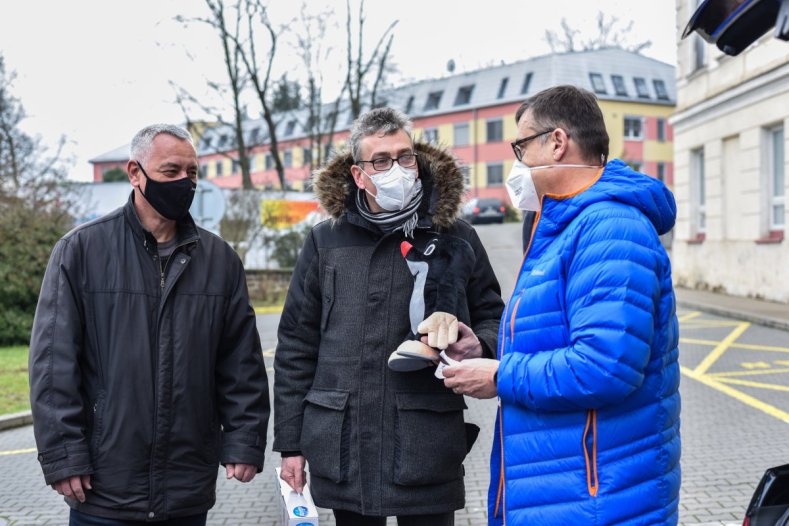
588	380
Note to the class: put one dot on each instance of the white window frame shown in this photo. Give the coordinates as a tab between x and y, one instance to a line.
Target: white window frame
640	136
430	135
698	191
488	123
776	176
499	165
462	125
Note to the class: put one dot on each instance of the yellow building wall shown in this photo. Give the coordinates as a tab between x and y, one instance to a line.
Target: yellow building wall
614	113
258	162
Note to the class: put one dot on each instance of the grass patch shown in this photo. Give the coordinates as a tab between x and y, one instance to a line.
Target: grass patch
14	390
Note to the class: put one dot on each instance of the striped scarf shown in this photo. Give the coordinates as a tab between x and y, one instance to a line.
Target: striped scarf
404	219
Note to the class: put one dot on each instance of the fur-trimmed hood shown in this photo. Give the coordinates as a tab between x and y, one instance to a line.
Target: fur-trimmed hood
439	171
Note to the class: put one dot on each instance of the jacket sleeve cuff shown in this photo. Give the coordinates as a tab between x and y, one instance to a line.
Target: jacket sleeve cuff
63	462
243	447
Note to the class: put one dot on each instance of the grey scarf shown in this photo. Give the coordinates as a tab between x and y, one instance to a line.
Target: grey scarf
404	219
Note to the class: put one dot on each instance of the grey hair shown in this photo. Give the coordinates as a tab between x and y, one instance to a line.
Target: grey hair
378	120
141	143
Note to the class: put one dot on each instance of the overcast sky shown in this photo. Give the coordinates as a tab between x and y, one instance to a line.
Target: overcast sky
96	71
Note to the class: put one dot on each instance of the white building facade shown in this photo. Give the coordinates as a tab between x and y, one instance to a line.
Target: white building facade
731	169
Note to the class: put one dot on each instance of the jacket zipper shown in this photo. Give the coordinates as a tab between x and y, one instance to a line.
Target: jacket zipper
592	483
156	375
501	496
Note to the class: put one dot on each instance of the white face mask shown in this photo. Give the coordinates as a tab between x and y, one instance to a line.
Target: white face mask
520	188
520	185
395	187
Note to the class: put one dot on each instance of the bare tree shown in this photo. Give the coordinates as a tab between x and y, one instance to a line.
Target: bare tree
229	34
358	68
608	35
260	73
310	40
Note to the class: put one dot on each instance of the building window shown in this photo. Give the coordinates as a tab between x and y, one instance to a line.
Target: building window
287	160
633	129
289	127
503	87
236	167
203	171
307	154
660	89
464	95
699	50
598	85
698	197
776	177
222	140
461	134
269	161
433	100
661	171
661	129
526	82
253	136
409	104
218	166
619	85
641	88
430	135
635	165
495	173
207	142
495	130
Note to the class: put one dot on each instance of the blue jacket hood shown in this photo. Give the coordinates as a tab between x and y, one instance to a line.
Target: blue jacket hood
622	184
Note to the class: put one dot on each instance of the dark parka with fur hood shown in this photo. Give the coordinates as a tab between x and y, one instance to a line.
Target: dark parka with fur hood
377	442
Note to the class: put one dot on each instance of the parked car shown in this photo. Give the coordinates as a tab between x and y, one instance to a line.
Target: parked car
484	210
770	503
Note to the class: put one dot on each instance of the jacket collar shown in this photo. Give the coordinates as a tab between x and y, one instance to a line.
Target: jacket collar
186	231
442	188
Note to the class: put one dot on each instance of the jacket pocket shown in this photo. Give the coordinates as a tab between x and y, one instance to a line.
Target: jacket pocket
97	423
325	434
327	291
429	439
590	452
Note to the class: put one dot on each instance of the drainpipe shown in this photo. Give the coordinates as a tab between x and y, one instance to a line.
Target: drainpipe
474	154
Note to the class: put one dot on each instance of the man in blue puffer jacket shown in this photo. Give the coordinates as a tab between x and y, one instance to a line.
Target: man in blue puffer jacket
587	375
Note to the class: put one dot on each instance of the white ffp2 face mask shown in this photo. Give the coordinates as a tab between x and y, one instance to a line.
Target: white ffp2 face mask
520	188
395	187
520	185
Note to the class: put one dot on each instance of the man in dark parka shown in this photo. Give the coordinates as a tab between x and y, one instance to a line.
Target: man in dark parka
145	364
379	442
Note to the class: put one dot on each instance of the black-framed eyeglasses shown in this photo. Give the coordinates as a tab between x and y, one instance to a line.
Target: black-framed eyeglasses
407	160
516	145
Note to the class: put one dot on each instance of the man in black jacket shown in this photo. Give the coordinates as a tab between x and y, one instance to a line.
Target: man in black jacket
379	441
145	364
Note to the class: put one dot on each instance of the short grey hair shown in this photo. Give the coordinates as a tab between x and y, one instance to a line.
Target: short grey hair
378	120
140	148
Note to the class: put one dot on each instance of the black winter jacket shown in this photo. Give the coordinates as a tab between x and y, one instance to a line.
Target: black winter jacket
145	382
377	442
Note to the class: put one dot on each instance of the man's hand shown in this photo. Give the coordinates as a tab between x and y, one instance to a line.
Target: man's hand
467	344
241	472
441	329
293	472
73	487
474	377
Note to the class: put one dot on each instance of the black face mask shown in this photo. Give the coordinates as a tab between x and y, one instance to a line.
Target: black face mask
172	199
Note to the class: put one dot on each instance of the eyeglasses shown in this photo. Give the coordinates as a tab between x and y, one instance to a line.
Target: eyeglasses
516	145
407	160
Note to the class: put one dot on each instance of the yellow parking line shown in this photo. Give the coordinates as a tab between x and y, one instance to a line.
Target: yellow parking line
747	373
749	383
17	451
696	341
737	345
718	351
689	316
742	397
707	324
